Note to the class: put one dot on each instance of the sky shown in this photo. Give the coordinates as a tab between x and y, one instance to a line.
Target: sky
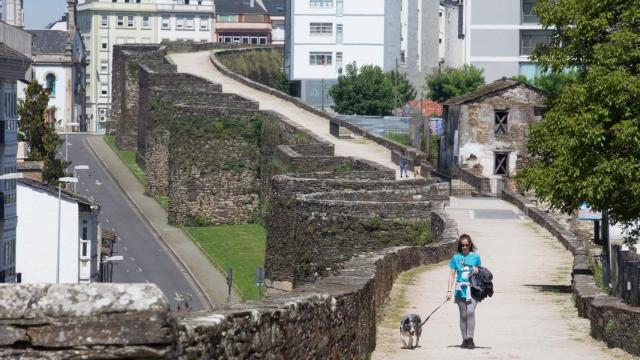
38	13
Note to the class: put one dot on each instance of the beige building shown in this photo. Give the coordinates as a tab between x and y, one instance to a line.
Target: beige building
104	23
11	12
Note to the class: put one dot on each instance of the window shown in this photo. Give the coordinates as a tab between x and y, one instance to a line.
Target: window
130	19
263	40
188	22
339	7
339	33
104	90
51	84
530	38
166	22
321	3
529	12
500	122
104	21
120	22
530	70
320	58
104	44
145	21
84	233
501	163
84	249
104	67
204	23
227	18
339	60
179	22
321	28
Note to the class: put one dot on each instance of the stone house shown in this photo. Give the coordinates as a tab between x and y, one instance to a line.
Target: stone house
486	131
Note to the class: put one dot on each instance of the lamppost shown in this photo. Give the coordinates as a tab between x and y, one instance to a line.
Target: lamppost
60	181
75	175
109	261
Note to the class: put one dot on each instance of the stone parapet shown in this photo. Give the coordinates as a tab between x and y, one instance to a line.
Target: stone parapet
612	321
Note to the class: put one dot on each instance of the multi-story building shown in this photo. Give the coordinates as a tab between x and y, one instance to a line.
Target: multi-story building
242	22
276	15
11	12
421	40
58	63
104	23
322	36
15	59
498	35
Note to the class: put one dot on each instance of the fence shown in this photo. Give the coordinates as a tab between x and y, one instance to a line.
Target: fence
379	125
626	275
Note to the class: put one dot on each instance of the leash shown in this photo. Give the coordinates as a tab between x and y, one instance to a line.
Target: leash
425	320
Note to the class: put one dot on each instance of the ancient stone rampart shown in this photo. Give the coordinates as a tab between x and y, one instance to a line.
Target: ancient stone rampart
226	166
612	321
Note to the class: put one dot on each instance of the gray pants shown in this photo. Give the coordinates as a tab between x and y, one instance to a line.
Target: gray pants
467	317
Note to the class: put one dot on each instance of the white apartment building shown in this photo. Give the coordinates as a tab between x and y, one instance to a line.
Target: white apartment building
322	36
104	23
495	35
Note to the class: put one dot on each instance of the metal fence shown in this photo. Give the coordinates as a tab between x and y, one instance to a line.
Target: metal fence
626	275
379	125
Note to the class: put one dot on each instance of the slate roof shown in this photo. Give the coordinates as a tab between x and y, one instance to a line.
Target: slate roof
235	7
54	191
494	87
8	53
50	42
274	7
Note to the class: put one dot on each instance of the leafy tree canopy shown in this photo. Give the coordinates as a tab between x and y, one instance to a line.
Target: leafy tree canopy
370	91
444	84
550	82
41	137
587	148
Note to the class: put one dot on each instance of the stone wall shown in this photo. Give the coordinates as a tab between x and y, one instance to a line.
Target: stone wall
124	93
612	321
335	317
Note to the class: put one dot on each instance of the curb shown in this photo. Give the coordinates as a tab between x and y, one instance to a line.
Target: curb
209	302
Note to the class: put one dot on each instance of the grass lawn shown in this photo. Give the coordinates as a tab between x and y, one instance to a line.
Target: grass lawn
128	157
240	247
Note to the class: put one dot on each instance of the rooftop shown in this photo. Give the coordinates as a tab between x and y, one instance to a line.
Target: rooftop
50	42
274	7
52	190
8	53
235	7
494	87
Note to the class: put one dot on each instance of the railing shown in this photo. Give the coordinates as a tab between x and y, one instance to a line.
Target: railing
626	275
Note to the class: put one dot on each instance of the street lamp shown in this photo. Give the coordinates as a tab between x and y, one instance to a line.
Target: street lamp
109	260
75	175
61	180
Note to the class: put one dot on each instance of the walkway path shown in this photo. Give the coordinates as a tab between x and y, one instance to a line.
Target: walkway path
531	315
211	281
199	64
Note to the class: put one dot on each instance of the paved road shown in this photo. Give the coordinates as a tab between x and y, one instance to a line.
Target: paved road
146	259
199	64
531	315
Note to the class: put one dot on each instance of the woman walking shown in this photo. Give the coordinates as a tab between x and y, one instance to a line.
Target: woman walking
462	265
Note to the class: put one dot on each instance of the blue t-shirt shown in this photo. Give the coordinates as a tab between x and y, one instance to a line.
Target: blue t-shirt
464	267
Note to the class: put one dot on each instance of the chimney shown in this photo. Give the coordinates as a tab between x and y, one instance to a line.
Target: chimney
71	16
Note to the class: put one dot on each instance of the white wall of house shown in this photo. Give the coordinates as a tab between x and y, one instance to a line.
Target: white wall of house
62	97
36	237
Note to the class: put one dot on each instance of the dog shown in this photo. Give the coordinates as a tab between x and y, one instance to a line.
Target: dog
410	330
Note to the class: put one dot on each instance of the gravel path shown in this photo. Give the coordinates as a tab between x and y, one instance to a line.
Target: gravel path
531	315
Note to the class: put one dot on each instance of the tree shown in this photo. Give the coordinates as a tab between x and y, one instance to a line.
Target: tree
550	82
403	90
444	84
365	91
587	148
41	137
